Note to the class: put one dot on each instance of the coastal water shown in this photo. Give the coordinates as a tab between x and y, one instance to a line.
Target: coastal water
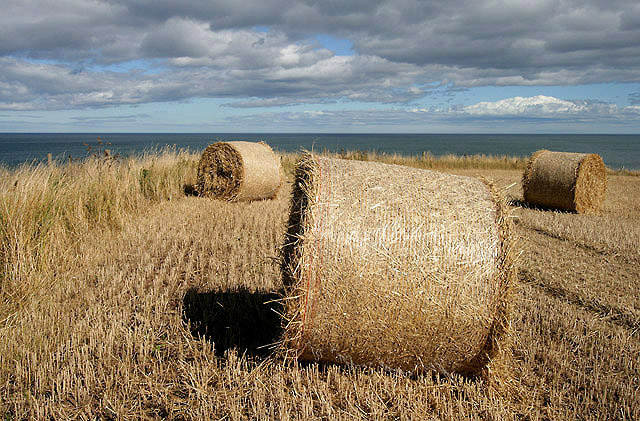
617	151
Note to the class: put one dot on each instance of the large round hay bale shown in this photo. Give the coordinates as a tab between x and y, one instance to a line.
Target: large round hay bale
568	181
392	266
238	171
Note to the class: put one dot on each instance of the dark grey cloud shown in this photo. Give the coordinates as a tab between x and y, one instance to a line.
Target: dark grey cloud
53	53
31	86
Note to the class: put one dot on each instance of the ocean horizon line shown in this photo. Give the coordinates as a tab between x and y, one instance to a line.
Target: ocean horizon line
617	150
341	133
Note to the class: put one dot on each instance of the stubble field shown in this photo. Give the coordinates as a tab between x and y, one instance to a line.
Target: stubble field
160	312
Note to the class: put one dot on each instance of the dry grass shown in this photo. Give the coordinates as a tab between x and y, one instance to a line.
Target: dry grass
425	160
155	310
46	210
447	162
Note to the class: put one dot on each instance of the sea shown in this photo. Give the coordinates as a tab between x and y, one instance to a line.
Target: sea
617	151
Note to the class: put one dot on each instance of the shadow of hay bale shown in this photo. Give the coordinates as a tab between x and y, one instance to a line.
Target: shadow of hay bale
526	205
240	319
190	190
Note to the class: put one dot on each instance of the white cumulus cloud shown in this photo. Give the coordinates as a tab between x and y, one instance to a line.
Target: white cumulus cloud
542	106
535	106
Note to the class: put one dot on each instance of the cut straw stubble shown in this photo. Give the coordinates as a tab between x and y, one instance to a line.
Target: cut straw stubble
396	267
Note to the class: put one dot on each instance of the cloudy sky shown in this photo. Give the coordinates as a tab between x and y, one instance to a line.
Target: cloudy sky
544	66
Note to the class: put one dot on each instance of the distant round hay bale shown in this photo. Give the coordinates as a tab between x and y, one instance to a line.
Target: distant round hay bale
391	266
237	171
575	182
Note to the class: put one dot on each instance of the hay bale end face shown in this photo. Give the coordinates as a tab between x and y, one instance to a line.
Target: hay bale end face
237	171
574	182
392	266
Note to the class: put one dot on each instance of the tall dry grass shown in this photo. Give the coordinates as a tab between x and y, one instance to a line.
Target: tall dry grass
446	162
425	160
45	209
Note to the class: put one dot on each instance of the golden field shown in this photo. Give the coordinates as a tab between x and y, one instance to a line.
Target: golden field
122	297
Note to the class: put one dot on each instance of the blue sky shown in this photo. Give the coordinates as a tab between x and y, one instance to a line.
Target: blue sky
332	66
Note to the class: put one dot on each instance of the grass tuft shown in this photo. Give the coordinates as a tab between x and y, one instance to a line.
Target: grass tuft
46	208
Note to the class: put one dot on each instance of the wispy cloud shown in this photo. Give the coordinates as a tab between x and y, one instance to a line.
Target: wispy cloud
31	116
92	120
542	111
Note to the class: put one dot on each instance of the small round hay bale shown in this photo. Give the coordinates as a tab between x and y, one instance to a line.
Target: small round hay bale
391	266
575	182
237	171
